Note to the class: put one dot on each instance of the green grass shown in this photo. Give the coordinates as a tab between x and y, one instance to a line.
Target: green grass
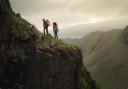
84	84
22	28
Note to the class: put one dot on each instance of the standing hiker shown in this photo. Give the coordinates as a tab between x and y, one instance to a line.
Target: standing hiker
46	24
55	29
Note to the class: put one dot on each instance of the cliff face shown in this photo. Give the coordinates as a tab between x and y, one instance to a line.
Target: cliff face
5	26
124	35
39	62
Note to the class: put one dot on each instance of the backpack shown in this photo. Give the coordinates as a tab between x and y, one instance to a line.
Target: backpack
48	22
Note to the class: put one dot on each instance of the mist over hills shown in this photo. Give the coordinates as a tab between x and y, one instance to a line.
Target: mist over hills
80	30
105	56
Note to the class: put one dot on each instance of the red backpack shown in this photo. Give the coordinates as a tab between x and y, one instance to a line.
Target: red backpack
48	22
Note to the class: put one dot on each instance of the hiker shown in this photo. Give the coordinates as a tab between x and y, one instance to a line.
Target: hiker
55	29
46	24
33	32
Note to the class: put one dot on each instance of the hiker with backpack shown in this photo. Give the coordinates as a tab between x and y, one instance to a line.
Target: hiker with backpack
46	24
55	29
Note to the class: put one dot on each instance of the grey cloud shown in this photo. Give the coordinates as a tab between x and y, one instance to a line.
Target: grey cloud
117	8
98	8
36	6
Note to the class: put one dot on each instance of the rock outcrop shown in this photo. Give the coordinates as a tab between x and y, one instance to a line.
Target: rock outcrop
124	35
42	62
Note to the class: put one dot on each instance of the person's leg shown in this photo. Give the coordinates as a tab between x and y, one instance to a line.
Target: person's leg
57	35
47	30
44	30
54	34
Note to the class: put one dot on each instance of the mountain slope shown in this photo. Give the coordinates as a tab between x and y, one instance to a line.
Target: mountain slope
39	62
105	56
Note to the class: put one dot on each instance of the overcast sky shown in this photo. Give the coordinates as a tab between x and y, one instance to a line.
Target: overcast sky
71	12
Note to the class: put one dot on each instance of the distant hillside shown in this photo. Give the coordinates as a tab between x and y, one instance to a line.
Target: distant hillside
106	57
71	40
